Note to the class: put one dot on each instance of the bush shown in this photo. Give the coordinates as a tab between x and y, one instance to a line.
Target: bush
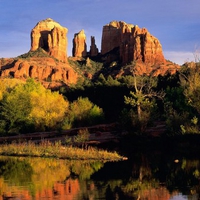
82	112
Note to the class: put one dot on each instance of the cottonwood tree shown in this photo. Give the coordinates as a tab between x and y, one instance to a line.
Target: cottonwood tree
48	109
31	105
190	82
83	112
16	106
143	96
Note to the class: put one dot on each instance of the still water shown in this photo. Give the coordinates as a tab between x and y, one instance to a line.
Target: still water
145	176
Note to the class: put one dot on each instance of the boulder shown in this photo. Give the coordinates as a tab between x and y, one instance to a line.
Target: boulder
50	36
79	45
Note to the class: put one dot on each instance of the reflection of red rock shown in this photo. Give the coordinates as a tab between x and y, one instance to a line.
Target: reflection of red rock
155	194
71	189
61	191
15	193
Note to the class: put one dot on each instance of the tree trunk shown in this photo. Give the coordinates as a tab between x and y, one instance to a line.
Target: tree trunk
139	111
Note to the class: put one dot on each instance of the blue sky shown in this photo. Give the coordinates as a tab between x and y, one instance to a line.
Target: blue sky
176	23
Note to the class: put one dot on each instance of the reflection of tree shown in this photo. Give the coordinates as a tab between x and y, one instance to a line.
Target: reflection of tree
184	175
39	174
142	178
16	171
85	169
139	180
73	178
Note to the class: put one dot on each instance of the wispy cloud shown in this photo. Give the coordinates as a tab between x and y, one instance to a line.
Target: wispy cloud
174	23
180	57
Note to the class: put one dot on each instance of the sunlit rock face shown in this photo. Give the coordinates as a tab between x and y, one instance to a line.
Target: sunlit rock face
50	36
46	70
79	45
134	43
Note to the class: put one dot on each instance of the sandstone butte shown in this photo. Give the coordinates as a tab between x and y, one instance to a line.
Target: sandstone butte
50	36
133	44
52	70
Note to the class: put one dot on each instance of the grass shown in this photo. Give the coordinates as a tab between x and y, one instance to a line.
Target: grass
57	150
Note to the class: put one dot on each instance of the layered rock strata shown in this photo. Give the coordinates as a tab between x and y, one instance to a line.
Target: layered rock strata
45	70
134	43
51	37
79	45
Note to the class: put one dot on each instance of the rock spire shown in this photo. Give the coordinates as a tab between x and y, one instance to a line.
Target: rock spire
93	48
79	45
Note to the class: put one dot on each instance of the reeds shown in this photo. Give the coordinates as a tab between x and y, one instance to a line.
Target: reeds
57	150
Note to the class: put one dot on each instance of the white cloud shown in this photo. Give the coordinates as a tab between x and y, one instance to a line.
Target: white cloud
180	57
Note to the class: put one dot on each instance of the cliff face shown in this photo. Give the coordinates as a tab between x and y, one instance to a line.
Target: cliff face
79	45
134	43
46	70
50	36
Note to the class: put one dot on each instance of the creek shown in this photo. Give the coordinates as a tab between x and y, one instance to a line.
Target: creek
148	174
160	170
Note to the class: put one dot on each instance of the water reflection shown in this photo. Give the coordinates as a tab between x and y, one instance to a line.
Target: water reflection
36	178
143	177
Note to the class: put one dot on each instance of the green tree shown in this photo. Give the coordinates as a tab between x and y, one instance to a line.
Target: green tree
190	82
16	108
143	97
83	112
29	106
111	81
101	80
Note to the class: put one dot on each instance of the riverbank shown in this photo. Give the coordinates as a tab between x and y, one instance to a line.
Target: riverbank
56	150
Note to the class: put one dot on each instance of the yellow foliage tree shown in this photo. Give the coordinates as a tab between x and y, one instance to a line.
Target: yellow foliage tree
8	84
48	108
28	106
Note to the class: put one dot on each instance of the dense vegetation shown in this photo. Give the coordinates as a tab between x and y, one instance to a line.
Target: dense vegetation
134	101
137	101
29	107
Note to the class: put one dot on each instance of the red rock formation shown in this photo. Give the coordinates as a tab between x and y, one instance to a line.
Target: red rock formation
134	43
93	48
79	45
45	70
50	36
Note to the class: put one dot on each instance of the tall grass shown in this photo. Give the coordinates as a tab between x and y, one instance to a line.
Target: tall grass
57	150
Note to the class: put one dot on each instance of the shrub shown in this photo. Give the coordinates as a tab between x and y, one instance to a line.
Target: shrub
83	112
